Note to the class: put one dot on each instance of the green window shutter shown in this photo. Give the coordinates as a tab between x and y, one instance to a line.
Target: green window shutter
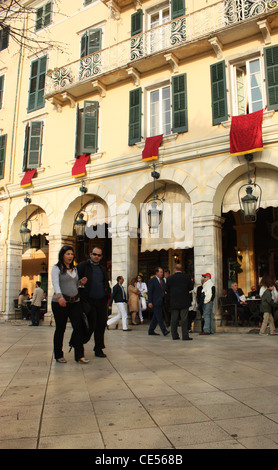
39	18
179	103
137	23
35	142
94	40
37	83
83	49
134	116
271	74
47	14
89	136
1	90
77	131
4	38
177	9
26	146
3	142
218	93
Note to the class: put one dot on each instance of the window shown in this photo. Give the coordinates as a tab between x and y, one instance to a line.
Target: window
37	82
166	109
87	2
4	38
159	36
87	128
3	142
44	16
1	90
159	107
91	42
247	83
249	91
32	145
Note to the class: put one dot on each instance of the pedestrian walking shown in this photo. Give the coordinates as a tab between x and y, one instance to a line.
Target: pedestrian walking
133	300
142	286
178	287
95	294
66	304
208	292
266	306
156	292
119	297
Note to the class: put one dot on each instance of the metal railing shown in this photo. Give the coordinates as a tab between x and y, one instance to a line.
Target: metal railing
162	38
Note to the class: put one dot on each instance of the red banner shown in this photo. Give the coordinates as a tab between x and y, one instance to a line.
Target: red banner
150	151
246	133
27	178
79	167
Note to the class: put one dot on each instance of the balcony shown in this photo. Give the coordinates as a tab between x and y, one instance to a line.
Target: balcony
192	34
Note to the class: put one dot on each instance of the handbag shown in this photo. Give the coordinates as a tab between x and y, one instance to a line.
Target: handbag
143	304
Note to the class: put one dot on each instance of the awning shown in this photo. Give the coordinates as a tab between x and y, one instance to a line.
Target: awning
150	151
79	167
27	178
246	133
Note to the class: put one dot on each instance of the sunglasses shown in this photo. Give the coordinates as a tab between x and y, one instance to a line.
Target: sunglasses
96	254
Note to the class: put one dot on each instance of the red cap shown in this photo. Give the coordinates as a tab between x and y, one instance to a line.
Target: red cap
206	275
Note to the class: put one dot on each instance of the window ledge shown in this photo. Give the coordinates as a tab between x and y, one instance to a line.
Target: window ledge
40	170
267	115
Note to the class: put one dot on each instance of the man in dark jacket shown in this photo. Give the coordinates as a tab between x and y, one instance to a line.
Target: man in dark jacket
156	292
178	287
96	292
234	302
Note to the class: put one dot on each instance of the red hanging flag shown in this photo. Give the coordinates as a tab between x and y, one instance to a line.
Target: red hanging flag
150	151
246	133
27	178
78	168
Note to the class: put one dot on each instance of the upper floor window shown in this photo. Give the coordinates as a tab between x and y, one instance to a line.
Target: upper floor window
90	41
3	141
254	85
37	82
4	38
165	109
87	128
247	86
44	16
32	145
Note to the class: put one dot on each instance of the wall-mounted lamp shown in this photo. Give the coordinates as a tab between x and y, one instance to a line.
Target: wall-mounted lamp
79	224
24	231
249	204
153	214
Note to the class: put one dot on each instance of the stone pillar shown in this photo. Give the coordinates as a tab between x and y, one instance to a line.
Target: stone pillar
207	233
13	276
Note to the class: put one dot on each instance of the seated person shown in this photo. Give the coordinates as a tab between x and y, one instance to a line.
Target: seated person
22	299
233	298
253	292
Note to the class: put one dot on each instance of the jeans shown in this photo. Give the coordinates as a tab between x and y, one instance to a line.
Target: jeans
208	317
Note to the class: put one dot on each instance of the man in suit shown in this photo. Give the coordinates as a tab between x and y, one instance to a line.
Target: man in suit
178	287
156	292
119	297
242	307
96	292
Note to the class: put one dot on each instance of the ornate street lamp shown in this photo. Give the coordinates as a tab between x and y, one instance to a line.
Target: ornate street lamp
79	224
249	203
24	231
154	215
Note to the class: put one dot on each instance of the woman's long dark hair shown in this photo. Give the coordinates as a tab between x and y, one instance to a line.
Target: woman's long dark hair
60	263
24	291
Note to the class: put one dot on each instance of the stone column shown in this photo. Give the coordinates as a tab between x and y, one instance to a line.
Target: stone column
13	275
207	233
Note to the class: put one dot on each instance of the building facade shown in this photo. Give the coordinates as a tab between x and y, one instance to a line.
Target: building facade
100	78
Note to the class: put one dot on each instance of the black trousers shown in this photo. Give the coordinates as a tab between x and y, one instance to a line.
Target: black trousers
97	319
61	314
35	314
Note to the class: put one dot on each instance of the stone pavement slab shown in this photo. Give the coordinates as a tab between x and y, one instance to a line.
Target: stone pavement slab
215	392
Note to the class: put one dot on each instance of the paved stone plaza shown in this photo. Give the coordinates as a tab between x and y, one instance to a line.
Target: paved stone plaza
215	392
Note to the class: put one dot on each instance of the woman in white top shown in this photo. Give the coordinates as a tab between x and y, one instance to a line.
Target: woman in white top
142	287
66	303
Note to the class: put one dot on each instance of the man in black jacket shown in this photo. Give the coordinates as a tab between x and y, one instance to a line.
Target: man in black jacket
96	292
119	297
236	305
178	287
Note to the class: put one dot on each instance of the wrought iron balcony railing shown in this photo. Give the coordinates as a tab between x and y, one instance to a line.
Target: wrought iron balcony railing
164	38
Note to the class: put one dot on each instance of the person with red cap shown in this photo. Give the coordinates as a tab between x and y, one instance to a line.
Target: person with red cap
208	294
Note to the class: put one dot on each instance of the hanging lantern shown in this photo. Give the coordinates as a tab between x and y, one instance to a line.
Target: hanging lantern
79	224
24	231
249	203
154	215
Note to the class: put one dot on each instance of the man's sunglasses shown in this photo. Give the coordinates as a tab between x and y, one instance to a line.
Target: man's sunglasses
96	254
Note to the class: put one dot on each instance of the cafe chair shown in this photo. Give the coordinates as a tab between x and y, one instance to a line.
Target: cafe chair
228	311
